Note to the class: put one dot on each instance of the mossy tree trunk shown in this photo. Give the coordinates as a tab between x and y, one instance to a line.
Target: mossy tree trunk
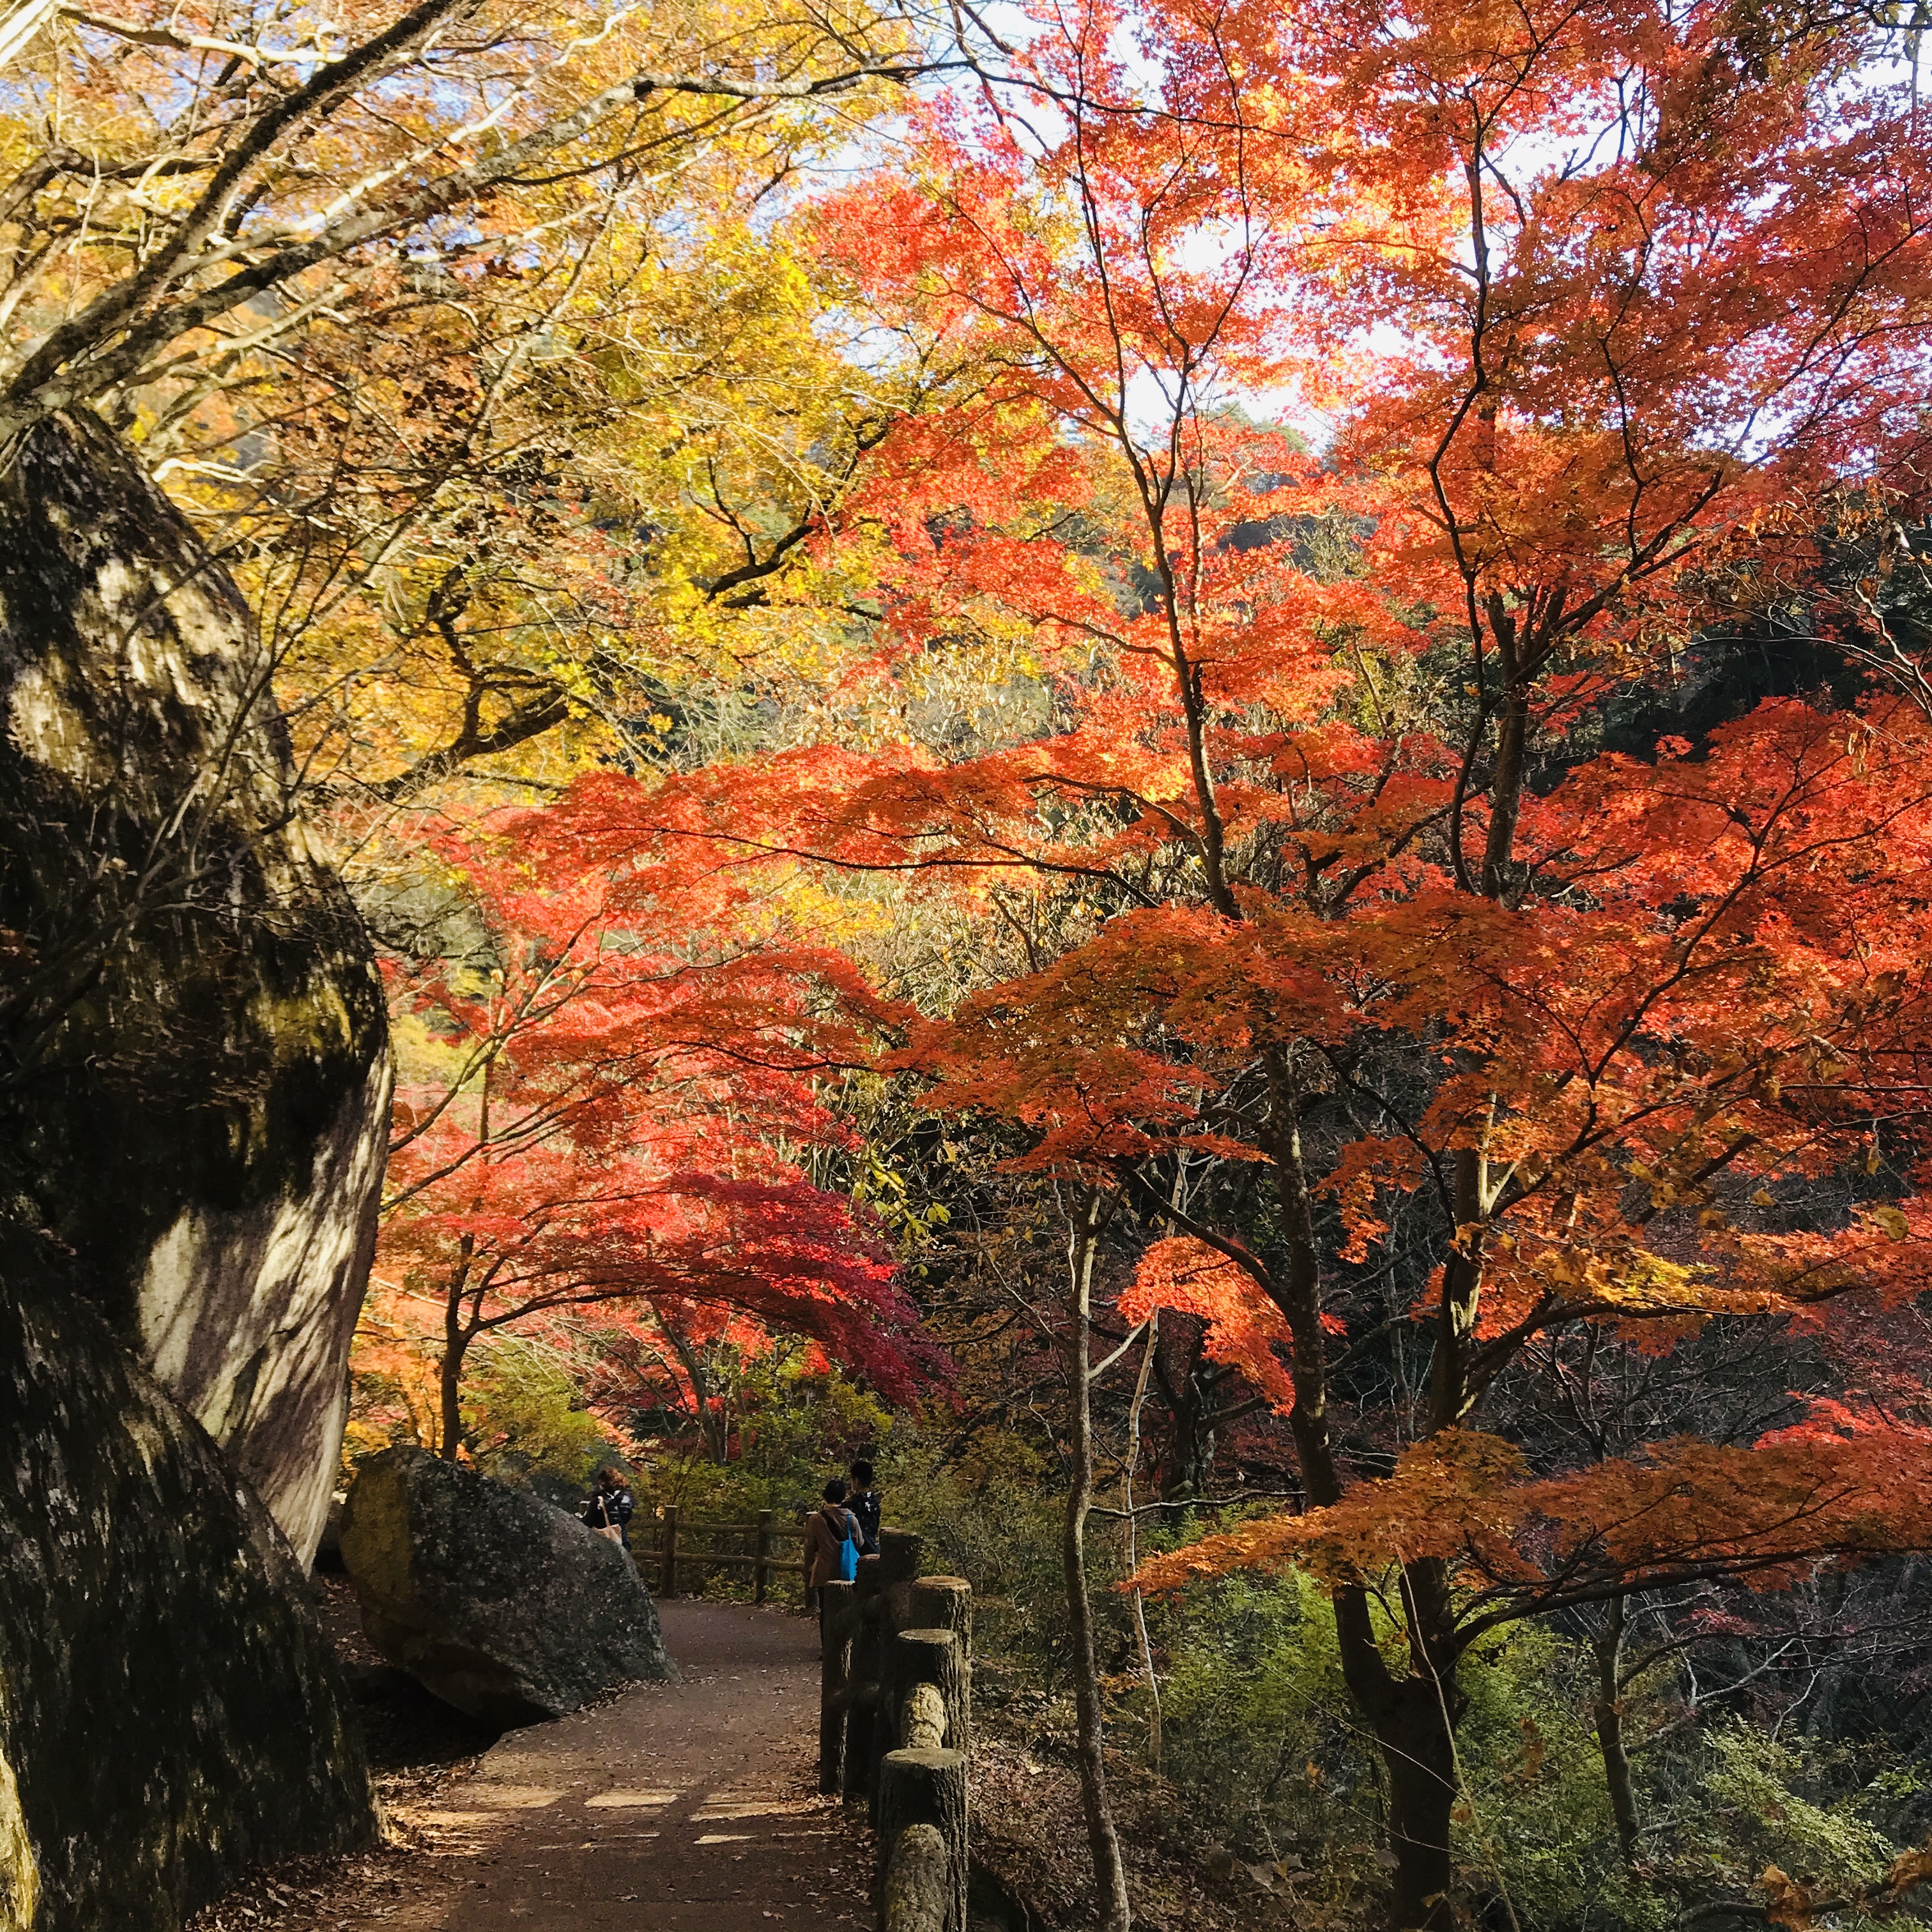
1607	1646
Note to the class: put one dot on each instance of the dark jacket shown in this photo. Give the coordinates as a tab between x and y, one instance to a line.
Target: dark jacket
611	1509
864	1504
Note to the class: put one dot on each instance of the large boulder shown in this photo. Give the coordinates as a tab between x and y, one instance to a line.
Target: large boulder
194	1073
498	1603
170	1712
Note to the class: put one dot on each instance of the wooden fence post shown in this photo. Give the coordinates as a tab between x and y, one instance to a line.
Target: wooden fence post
761	1567
925	1788
836	1624
668	1583
914	1657
946	1602
932	1657
862	1694
920	1728
901	1552
895	1570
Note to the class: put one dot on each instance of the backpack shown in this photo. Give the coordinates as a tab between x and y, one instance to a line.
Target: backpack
848	1547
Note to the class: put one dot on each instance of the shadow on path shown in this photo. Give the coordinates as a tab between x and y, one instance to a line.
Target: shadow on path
690	1806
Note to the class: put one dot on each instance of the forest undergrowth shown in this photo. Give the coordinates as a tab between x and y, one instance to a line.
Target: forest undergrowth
1761	1757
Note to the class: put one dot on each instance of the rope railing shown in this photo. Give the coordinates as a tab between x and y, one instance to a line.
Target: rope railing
895	1726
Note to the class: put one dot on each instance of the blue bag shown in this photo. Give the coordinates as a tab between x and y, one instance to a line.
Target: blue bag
848	1555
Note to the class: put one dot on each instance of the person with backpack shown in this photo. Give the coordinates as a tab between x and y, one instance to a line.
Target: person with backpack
862	1500
833	1538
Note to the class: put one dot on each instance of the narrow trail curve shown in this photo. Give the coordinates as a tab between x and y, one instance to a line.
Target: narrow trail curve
690	1806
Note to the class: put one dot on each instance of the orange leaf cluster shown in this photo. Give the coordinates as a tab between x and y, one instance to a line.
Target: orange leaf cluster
1685	1509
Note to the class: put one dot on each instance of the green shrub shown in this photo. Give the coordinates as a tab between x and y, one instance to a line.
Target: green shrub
993	1517
523	1416
1797	1806
1260	1732
1257	1729
1534	1827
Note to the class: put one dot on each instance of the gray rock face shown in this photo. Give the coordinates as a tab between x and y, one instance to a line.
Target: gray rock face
502	1606
170	1712
194	1073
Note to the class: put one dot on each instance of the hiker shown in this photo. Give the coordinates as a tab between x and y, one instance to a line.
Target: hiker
862	1500
608	1510
833	1540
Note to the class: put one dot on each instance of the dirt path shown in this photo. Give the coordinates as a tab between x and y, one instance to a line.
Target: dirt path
689	1807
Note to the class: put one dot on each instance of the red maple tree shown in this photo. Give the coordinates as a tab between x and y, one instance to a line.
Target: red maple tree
1611	308
615	1102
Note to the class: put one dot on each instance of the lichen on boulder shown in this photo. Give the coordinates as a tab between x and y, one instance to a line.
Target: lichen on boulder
500	1604
20	1869
170	1712
194	1075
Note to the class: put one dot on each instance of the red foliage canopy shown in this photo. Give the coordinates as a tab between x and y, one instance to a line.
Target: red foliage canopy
615	1104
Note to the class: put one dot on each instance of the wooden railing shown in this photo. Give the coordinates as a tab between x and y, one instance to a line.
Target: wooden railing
895	1726
675	1543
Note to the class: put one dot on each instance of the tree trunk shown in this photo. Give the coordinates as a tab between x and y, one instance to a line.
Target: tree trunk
1132	1536
1419	1751
1506	787
455	1344
713	1424
1413	1717
1607	1710
1189	1463
1110	1882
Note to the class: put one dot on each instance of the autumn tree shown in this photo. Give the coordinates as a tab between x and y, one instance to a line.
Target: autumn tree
301	163
440	323
599	1112
1476	1031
